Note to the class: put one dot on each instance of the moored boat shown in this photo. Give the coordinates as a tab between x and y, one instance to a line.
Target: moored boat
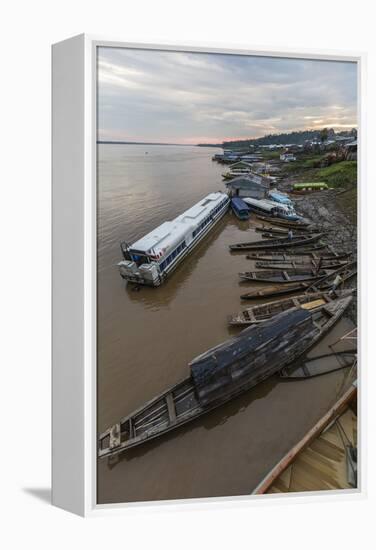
150	260
301	255
284	223
264	312
299	240
347	272
325	458
285	276
223	372
284	231
333	263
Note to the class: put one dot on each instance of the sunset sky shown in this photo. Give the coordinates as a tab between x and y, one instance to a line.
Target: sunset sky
189	98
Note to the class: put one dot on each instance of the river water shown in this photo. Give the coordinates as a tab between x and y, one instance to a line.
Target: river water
146	338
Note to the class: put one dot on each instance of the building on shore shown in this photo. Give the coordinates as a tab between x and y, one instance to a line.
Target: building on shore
252	185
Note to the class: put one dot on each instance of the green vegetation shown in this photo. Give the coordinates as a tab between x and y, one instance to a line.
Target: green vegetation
340	174
298	138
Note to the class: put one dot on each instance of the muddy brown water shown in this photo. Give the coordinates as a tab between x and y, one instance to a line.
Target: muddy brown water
146	338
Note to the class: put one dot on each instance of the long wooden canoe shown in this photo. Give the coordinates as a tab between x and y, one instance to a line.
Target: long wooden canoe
302	264
264	312
298	256
298	240
314	250
323	459
222	373
283	231
284	276
284	223
347	273
321	364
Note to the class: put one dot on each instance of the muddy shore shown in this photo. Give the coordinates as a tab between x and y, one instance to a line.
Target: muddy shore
330	211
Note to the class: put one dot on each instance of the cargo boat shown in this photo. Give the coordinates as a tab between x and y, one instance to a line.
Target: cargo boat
150	260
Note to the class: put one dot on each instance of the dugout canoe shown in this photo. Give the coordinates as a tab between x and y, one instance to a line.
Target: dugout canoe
347	272
284	223
298	240
298	256
264	312
222	373
284	276
284	231
321	263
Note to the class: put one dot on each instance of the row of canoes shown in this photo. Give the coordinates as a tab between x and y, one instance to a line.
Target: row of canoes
346	272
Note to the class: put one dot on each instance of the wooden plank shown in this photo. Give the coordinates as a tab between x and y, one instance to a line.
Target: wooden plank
171	408
337	409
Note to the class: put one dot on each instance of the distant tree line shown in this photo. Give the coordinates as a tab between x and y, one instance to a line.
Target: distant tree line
297	138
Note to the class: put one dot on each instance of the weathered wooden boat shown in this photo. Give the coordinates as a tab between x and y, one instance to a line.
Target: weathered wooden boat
322	364
284	232
285	276
284	223
302	264
264	312
314	250
299	256
223	372
298	240
347	272
325	458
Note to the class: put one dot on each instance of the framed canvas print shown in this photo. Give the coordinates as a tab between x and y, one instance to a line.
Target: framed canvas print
206	213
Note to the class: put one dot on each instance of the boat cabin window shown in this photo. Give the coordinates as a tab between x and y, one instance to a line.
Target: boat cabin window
139	258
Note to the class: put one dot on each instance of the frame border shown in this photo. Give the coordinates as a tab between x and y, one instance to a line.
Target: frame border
88	465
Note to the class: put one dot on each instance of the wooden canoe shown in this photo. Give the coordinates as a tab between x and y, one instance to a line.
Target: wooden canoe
284	231
298	256
302	264
284	223
264	312
298	240
284	276
222	373
313	250
347	272
323	459
322	364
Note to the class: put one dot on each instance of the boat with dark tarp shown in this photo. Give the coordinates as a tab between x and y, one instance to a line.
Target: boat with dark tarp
223	372
298	240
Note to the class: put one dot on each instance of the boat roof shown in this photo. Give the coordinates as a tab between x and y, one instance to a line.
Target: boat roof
169	232
280	197
264	204
239	203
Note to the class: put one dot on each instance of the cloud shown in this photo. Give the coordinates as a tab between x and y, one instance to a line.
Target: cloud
152	95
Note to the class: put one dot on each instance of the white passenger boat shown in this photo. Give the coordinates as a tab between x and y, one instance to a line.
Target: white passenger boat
151	259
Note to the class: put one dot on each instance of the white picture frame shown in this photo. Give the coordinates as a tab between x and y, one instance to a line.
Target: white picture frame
74	437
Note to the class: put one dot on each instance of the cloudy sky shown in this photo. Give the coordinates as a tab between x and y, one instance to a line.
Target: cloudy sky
176	97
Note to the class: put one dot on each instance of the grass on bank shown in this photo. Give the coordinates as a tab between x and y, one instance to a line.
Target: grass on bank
340	174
